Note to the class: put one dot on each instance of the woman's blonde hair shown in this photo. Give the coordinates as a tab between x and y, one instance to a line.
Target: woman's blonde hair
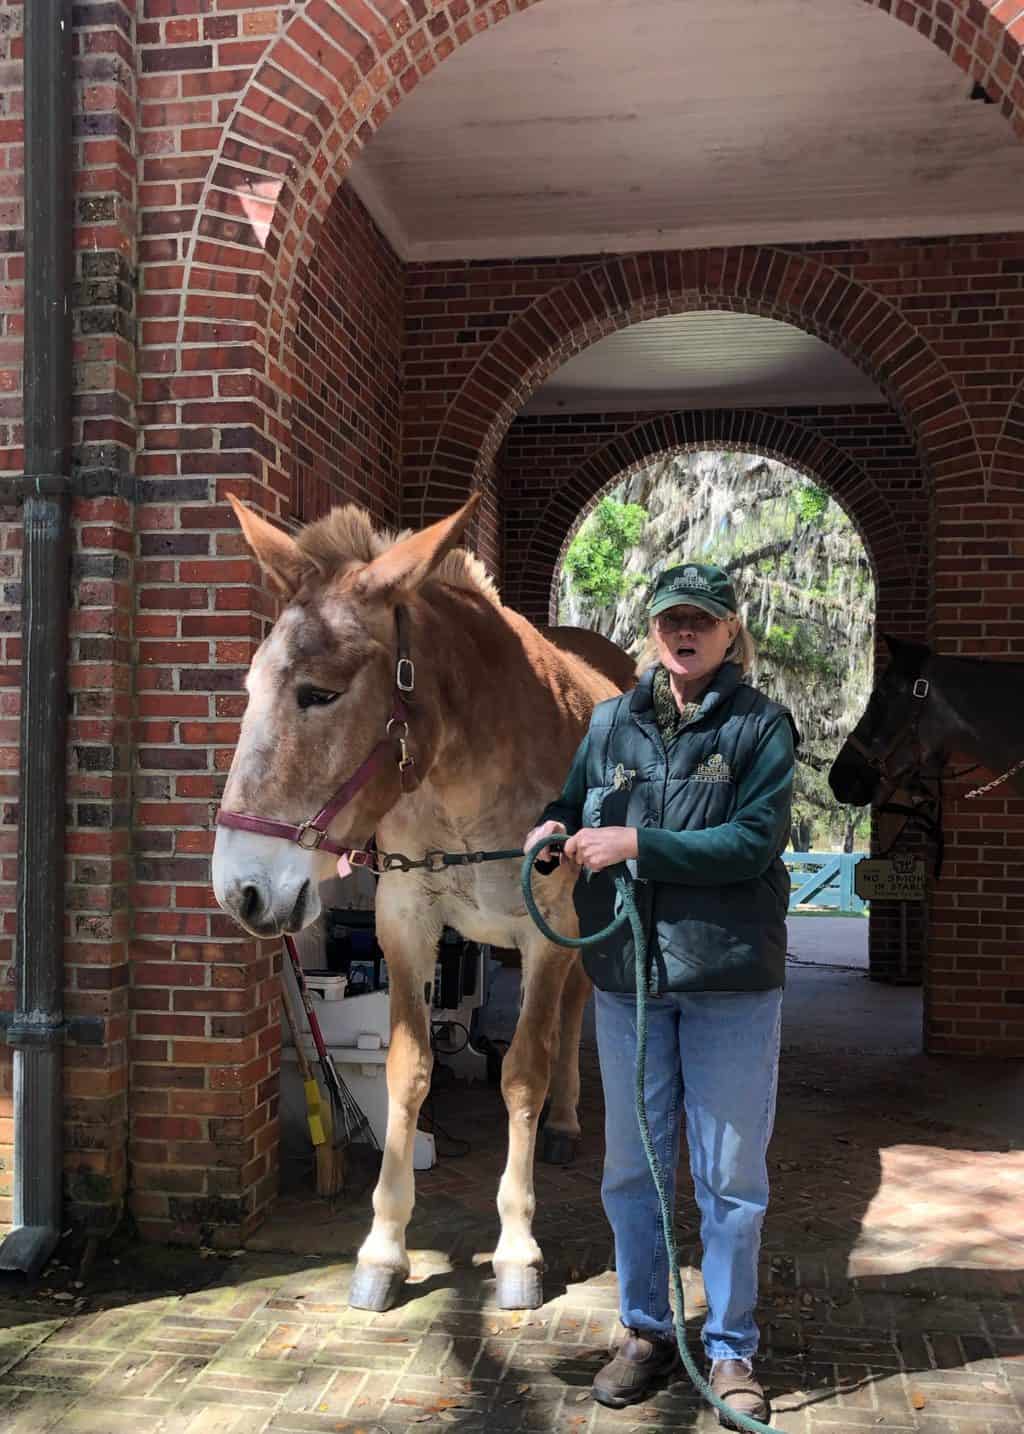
741	650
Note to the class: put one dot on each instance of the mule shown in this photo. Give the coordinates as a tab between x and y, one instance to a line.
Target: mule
924	708
401	649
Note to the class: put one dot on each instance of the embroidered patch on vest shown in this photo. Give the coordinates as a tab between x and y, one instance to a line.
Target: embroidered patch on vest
715	769
622	777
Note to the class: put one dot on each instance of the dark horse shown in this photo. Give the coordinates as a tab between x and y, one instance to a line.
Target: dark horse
924	709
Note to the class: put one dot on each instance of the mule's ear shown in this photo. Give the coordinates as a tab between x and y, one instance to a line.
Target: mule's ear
280	556
401	569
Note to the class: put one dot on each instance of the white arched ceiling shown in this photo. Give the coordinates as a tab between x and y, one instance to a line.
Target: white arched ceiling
614	125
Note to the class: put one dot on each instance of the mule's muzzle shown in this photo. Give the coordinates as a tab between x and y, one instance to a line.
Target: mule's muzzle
264	913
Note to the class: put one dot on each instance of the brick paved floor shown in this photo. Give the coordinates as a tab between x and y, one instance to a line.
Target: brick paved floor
893	1286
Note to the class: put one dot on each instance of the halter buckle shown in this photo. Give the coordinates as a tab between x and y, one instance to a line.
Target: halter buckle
920	688
307	828
405	674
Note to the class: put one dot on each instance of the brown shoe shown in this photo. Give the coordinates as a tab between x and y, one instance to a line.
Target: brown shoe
639	1363
733	1380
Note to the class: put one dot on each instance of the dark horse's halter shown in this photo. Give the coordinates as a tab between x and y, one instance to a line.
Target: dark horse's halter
926	811
312	835
879	762
919	775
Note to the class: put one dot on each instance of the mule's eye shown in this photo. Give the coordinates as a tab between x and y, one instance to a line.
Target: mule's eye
315	697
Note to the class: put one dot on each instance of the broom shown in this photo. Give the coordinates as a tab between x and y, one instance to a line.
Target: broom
330	1162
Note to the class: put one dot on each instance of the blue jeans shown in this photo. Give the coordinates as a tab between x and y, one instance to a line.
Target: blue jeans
716	1054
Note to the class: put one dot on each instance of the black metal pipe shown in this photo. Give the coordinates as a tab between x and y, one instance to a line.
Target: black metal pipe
37	1031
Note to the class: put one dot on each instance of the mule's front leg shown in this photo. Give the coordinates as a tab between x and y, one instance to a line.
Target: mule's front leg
525	1075
383	1262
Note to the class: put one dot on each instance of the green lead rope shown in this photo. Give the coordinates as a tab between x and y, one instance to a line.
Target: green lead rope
629	912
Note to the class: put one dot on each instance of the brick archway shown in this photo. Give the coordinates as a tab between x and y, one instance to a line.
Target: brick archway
321	89
895	544
740	430
318	94
793	287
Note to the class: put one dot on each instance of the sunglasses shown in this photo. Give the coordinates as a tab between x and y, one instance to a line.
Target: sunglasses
691	620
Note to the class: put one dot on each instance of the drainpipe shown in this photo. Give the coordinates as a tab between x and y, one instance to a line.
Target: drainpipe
37	1030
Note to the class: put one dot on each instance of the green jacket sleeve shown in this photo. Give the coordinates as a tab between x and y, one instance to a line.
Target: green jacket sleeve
568	807
742	847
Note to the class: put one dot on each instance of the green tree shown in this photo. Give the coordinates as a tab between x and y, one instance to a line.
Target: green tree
594	562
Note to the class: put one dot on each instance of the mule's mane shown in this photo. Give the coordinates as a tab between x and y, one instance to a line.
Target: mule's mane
346	536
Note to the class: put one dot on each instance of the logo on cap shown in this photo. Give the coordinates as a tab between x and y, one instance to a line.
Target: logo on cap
689	578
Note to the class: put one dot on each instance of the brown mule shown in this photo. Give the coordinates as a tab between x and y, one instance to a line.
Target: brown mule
406	642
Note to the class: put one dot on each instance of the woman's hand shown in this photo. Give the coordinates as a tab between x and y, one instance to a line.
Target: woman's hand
545	829
598	847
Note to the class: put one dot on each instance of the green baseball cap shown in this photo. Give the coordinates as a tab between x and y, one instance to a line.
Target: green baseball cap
694	585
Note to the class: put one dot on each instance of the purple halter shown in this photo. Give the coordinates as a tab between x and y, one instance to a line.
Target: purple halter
312	835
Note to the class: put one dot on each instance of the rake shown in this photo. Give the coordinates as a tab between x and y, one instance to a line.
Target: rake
348	1123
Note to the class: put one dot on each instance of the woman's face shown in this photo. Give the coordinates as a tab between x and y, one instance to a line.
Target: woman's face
691	643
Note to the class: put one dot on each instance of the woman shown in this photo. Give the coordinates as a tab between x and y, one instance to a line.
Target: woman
687	779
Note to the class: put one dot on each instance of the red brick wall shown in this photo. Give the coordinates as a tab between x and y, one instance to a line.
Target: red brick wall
100	673
206	1050
932	322
347	386
204	1029
97	894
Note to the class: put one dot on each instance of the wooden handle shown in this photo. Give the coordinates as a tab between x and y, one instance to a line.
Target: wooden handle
293	1026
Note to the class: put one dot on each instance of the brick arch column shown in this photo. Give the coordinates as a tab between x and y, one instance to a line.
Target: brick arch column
314	99
794	287
532	581
218	361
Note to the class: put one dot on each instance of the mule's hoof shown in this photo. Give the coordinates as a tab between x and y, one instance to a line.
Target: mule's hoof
557	1147
374	1288
519	1287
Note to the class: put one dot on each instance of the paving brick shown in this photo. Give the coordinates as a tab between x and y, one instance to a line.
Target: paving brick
272	1345
22	1412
